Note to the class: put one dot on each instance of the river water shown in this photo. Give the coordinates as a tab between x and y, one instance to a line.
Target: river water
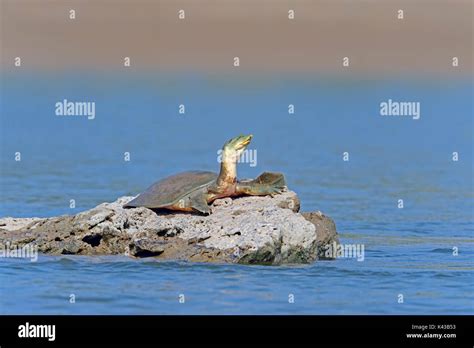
418	259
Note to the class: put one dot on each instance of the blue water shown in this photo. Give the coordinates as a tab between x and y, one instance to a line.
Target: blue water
408	251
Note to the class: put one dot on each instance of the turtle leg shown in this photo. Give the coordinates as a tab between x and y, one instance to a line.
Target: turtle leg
265	184
199	203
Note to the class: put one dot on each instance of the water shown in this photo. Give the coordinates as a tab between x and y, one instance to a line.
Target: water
408	251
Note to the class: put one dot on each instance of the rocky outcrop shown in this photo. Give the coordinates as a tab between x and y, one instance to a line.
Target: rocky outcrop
260	230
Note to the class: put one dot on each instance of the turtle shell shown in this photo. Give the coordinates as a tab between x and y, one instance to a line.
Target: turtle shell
170	190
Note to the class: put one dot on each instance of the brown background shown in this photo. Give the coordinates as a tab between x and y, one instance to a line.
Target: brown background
258	31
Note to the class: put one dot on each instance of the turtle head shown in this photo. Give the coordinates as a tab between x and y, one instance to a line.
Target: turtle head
235	146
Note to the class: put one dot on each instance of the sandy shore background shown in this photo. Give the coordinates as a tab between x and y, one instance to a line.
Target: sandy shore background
257	31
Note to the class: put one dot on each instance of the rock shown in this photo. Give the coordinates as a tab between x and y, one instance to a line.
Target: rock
251	230
12	224
326	231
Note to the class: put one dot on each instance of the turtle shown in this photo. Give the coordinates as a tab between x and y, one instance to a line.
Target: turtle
193	191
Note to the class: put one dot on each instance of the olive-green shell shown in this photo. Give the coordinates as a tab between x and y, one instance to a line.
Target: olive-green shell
170	190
